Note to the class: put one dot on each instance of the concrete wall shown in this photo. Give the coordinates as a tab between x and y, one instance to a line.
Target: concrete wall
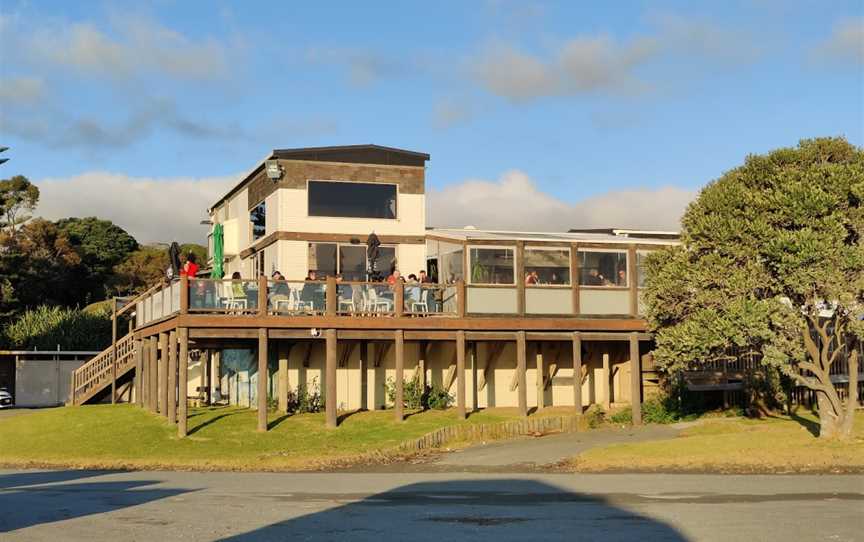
41	383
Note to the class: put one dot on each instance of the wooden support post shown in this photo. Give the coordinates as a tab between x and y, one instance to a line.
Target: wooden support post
399	352
633	280
461	300
262	379
262	295
184	294
398	299
172	377
421	364
606	384
475	401
541	399
113	350
520	373
635	379
330	376
284	351
364	378
577	373
163	374
183	411
520	278
331	300
575	275
139	370
154	375
460	374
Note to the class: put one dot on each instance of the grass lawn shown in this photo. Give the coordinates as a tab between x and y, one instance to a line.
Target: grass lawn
124	436
779	445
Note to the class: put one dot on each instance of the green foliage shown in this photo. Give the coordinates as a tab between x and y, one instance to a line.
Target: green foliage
416	397
623	416
305	399
763	249
595	416
146	266
17	197
101	245
660	409
46	327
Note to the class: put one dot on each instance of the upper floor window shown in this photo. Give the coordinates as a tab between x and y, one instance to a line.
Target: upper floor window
547	266
602	268
352	200
492	265
258	221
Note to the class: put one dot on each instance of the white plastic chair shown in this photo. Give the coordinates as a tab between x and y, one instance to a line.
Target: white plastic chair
422	305
378	304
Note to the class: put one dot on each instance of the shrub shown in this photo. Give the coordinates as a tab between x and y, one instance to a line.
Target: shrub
595	416
659	410
622	417
305	399
416	397
44	328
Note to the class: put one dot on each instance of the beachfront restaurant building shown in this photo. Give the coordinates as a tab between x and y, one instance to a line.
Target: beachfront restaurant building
504	319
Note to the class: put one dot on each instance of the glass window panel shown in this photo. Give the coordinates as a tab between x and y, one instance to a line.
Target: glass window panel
322	259
492	266
547	266
352	262
354	200
450	263
387	260
258	219
640	269
602	268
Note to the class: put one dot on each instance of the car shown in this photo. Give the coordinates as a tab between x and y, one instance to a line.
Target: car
6	400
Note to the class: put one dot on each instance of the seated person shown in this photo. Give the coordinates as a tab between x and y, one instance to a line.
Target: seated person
279	291
621	279
412	291
310	292
594	278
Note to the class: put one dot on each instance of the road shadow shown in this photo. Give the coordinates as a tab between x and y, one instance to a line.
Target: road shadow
35	498
499	510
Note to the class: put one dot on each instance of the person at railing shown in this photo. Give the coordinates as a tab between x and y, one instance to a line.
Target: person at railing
312	293
594	278
531	278
190	268
621	279
238	289
279	291
423	278
412	291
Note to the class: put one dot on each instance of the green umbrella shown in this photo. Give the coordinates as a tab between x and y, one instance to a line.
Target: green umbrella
218	249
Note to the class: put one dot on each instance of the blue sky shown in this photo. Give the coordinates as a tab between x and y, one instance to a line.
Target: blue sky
577	100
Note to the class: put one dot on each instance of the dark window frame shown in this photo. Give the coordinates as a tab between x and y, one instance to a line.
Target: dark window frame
313	208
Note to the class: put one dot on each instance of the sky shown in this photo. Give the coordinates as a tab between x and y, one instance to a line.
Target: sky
537	115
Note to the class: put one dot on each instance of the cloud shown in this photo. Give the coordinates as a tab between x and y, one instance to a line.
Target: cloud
845	44
514	202
21	90
364	67
137	46
59	129
150	209
598	63
450	112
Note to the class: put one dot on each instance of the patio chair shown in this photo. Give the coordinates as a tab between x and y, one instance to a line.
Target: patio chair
378	304
422	305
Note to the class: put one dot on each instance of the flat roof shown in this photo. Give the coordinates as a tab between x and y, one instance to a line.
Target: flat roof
473	234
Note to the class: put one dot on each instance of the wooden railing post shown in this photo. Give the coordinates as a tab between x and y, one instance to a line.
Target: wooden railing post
461	301
398	298
184	294
262	295
113	350
331	300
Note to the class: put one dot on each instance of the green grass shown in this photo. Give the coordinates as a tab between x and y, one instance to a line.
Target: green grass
780	444
124	436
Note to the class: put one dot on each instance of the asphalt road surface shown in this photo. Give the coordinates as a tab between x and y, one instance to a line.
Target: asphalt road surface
390	507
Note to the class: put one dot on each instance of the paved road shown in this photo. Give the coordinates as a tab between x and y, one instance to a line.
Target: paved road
93	506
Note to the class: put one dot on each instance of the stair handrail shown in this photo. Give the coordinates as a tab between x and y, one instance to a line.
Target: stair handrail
93	371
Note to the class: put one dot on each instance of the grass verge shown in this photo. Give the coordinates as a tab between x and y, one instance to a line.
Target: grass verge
220	438
739	445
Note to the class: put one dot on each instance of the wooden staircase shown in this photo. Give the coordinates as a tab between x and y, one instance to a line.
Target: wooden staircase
92	378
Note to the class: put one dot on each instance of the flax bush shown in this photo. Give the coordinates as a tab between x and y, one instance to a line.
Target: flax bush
44	328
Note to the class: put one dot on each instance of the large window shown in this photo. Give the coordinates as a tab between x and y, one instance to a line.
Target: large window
602	268
354	200
328	259
640	268
547	266
492	265
258	221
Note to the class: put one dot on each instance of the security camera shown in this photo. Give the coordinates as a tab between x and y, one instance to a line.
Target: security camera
314	332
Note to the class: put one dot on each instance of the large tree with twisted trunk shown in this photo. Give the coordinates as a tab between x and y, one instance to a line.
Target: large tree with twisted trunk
771	265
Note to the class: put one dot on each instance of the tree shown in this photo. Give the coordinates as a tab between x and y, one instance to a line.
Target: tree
18	196
771	265
101	245
146	266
